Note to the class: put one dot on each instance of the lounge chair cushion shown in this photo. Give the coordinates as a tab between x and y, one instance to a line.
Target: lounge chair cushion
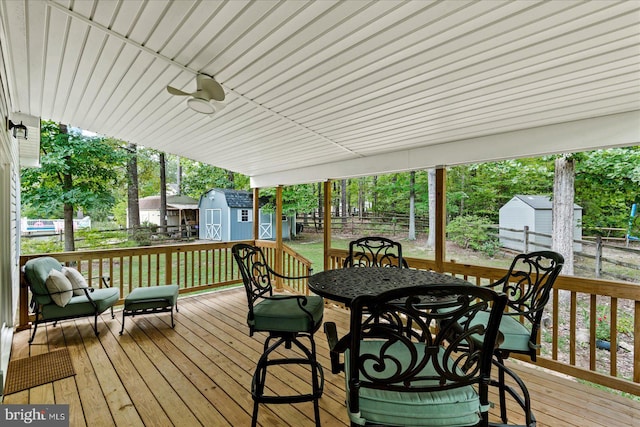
452	407
80	305
285	315
59	287
78	282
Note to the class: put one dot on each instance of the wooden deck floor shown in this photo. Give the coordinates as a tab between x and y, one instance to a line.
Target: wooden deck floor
200	374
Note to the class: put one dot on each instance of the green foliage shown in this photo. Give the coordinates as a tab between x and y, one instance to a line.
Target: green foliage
120	212
603	330
472	232
199	178
295	198
482	189
40	245
607	184
90	162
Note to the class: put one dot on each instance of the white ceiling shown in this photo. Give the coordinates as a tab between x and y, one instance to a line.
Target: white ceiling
330	89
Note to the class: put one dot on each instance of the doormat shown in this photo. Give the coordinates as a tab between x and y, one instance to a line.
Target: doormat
36	370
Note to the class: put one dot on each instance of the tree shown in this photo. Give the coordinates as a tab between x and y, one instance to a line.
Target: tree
133	205
163	194
77	171
343	201
562	210
431	240
198	178
412	205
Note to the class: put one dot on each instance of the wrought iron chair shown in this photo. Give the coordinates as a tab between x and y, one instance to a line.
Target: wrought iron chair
413	357
286	319
528	285
375	252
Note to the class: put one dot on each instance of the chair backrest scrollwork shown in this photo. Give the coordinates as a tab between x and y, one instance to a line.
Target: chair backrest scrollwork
423	338
375	252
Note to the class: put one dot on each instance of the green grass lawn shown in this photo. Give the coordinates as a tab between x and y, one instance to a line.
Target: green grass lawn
310	245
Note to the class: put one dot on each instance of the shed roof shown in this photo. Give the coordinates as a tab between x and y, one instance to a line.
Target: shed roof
239	198
151	203
539	202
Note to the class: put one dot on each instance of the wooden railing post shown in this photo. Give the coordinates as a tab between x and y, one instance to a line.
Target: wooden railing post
256	213
279	245
327	224
168	268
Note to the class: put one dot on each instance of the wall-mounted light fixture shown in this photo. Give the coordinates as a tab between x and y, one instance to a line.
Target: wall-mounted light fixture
19	130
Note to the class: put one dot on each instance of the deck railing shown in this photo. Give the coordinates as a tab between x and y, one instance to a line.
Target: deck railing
193	267
202	266
576	307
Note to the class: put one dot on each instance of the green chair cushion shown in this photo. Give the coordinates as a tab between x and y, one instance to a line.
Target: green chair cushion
285	315
451	407
515	335
80	305
152	297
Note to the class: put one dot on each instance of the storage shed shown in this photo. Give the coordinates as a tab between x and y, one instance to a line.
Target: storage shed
182	213
227	215
534	212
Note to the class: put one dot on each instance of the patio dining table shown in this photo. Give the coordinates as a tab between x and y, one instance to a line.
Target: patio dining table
343	285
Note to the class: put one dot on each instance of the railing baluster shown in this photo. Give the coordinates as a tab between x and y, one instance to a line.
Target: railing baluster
613	328
572	328
592	331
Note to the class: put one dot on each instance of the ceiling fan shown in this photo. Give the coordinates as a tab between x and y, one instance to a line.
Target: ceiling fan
208	97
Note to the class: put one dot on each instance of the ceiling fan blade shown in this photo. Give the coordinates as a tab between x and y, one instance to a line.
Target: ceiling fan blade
174	91
211	87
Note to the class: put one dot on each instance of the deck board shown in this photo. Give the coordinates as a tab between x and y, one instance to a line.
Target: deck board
200	374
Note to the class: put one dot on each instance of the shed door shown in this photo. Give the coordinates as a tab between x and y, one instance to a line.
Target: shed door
213	224
266	227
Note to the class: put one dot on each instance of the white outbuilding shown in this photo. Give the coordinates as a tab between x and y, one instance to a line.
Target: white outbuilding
534	214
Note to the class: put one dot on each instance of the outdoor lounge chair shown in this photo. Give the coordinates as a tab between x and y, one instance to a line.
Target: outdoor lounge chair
47	305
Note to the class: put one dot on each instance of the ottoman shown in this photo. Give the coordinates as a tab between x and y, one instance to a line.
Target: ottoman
154	299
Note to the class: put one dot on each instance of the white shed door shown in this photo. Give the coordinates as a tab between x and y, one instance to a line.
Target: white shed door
213	224
266	229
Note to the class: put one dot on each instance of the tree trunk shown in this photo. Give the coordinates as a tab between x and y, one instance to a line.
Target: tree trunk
133	204
336	200
179	177
163	194
412	205
431	240
231	180
67	186
375	194
343	200
562	210
69	239
361	198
